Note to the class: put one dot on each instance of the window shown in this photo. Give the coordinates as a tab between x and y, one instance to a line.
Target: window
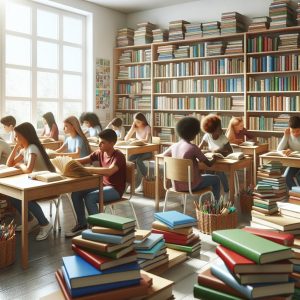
44	62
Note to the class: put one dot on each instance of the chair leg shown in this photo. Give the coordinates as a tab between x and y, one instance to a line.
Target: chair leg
134	214
50	209
166	199
56	219
184	203
71	205
236	184
58	215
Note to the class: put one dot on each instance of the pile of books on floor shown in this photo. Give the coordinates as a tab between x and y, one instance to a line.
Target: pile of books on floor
177	230
160	35
248	267
288	41
143	35
125	37
211	28
282	14
292	207
193	31
166	52
232	22
177	30
215	48
182	52
105	265
234	47
259	23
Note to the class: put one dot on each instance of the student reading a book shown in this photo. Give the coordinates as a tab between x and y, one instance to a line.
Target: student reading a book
289	143
236	132
50	126
30	156
116	125
4	151
91	121
112	164
76	145
9	123
216	142
187	129
142	131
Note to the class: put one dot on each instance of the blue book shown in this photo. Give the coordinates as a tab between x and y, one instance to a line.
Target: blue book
296	189
149	242
175	219
88	234
253	291
81	274
78	292
152	251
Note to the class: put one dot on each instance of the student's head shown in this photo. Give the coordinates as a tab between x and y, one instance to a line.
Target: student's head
116	123
140	120
187	128
107	140
212	124
237	124
8	122
49	118
91	120
81	118
294	124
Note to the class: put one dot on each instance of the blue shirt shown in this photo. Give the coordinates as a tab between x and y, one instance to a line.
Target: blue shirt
76	142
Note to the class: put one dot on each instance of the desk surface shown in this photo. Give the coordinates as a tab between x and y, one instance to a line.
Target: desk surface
286	161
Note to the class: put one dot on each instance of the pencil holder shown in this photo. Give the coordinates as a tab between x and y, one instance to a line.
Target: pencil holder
7	252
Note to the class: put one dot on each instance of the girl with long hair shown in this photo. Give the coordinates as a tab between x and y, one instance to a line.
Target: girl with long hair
91	121
50	126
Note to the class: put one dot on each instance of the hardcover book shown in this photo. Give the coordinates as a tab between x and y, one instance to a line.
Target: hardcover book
175	219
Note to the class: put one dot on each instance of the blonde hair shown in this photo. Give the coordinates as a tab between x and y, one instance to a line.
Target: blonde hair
72	120
230	133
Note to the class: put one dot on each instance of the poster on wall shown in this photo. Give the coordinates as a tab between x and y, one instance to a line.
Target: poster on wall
103	89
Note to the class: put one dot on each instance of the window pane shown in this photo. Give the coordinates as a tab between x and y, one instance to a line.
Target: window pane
47	85
21	110
18	51
47	24
72	109
44	107
18	83
17	17
72	59
72	87
72	30
47	55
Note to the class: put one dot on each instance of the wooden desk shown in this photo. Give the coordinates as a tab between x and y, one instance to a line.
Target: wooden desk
25	189
52	145
129	150
285	160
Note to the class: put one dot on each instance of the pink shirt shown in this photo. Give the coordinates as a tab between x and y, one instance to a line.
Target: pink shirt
141	133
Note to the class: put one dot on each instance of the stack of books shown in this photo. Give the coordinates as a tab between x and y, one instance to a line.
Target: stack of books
193	31
177	30
177	230
215	48
234	47
182	52
125	57
105	260
237	103
211	28
232	22
248	266
143	35
281	122
166	52
160	35
288	41
125	37
282	14
259	23
298	14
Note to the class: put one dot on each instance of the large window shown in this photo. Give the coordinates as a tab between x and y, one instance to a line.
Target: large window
44	62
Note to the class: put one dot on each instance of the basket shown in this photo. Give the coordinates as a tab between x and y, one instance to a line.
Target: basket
246	202
149	188
7	252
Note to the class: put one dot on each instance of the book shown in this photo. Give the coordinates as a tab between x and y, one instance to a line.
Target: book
162	226
203	292
46	140
295	154
152	252
111	221
158	263
234	155
147	262
141	235
261	278
102	262
45	176
131	143
175	236
193	247
69	167
107	230
149	242
251	246
6	171
175	219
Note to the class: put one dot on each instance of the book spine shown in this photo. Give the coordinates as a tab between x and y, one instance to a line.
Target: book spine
202	292
105	238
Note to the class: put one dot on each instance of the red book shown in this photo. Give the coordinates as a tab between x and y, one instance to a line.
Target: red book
286	239
173	236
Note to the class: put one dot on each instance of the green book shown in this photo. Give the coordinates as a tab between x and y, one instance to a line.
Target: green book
202	292
110	221
184	248
251	246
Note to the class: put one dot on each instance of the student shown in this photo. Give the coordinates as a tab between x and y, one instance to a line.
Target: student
289	143
113	168
9	122
92	123
50	126
236	132
187	129
217	142
5	150
116	125
76	145
29	155
142	131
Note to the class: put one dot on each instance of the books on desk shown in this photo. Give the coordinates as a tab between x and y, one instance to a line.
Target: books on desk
46	140
6	171
131	143
295	154
45	176
234	155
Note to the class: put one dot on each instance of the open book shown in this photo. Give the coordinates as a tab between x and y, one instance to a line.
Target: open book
6	171
280	153
45	176
234	155
245	144
131	143
69	167
46	140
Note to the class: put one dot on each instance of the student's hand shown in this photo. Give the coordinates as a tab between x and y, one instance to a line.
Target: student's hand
287	132
287	152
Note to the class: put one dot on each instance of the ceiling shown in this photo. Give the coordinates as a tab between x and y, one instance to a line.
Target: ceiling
130	6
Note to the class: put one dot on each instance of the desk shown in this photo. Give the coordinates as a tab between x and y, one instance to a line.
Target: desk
285	160
129	150
25	189
52	145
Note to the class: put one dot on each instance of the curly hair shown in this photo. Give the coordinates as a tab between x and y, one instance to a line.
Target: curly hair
187	128
211	123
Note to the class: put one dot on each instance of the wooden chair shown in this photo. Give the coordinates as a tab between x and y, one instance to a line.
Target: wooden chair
130	181
177	169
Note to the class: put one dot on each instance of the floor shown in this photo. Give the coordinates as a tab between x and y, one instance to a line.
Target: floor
45	257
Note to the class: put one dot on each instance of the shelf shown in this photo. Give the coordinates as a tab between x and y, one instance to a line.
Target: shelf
197	110
277	52
133	94
133	79
200	76
274	72
271	112
134	63
272	92
199	93
277	30
145	46
133	110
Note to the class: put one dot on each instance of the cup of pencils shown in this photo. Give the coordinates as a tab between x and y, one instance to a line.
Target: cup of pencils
7	244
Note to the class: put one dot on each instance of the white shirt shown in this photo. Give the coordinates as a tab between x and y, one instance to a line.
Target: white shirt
40	164
214	145
289	142
94	131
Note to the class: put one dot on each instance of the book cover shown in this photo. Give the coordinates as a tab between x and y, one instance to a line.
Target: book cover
162	226
195	246
45	176
158	246
106	230
6	171
203	292
149	242
175	218
141	235
173	235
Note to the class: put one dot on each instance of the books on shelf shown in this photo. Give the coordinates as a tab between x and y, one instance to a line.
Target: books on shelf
160	35
232	22
177	30
211	28
282	14
143	35
259	24
193	31
125	37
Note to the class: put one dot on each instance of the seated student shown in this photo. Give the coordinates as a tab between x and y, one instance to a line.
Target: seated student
9	122
236	132
30	156
289	143
142	131
187	129
116	125
5	150
92	123
50	126
217	142
113	168
76	145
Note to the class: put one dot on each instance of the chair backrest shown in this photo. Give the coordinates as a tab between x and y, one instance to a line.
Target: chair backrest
130	177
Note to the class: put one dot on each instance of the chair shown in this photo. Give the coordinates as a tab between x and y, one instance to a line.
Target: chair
177	169
130	181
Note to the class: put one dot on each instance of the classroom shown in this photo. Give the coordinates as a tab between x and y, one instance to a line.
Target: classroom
149	149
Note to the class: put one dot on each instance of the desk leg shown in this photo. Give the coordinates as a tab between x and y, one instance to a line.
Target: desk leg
254	167
101	198
156	184
24	234
231	186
